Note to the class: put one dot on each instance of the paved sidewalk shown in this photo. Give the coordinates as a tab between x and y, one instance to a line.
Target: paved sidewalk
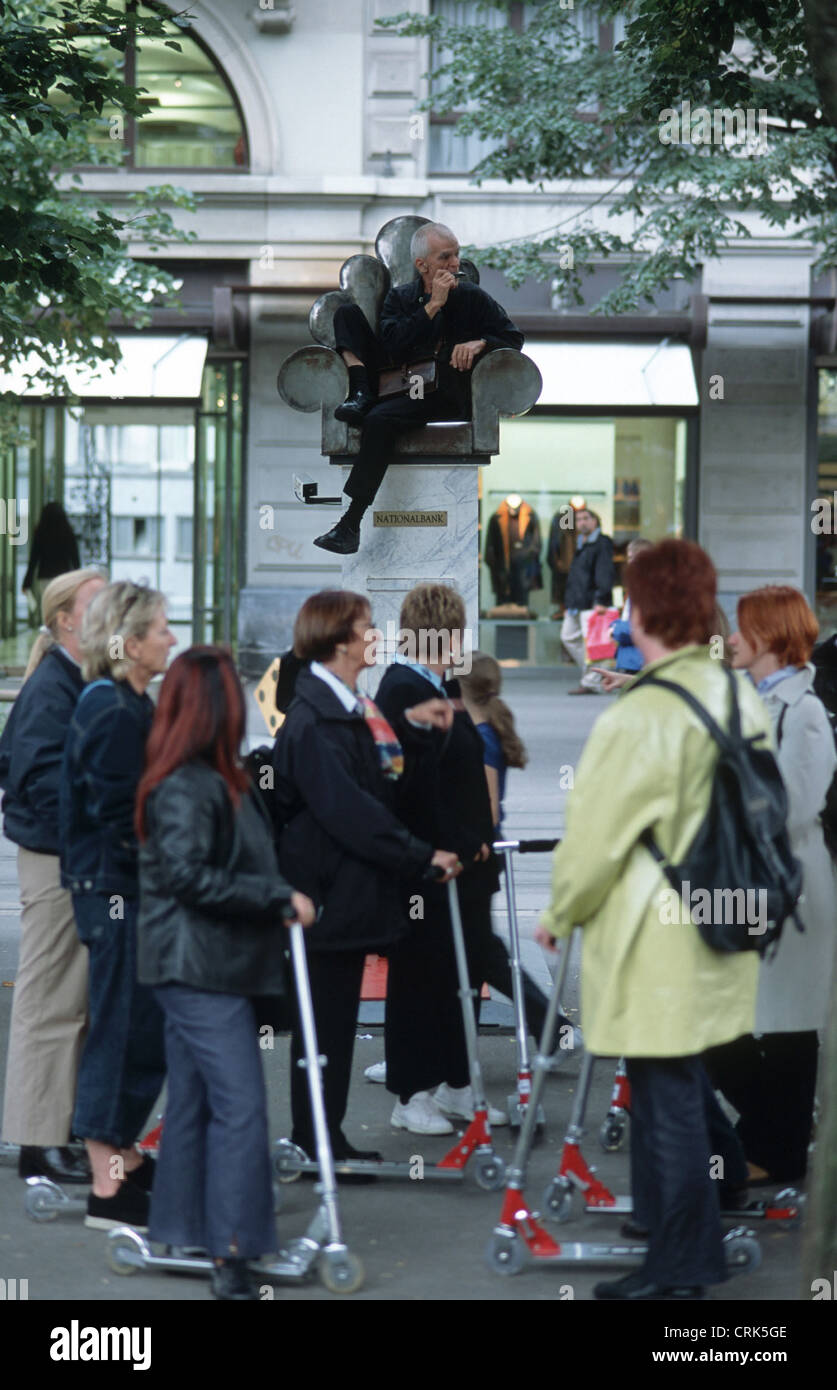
419	1241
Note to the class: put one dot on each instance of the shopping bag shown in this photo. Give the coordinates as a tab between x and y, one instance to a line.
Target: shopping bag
597	635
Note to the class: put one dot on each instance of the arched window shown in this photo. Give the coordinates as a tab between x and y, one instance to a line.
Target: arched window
192	118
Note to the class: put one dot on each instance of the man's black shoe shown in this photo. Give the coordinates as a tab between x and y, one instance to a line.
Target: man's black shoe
636	1288
62	1165
353	411
342	539
632	1230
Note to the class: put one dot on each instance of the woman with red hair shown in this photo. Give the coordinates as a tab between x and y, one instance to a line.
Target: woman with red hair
212	905
770	1078
652	990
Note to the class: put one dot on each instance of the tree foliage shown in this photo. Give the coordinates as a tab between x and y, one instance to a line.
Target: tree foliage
555	105
64	266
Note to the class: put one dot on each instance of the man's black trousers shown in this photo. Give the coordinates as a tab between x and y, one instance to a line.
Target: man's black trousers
389	418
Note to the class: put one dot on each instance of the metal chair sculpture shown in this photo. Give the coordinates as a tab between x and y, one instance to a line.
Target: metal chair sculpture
504	382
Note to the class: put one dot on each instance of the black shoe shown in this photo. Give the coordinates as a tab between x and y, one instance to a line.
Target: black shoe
129	1206
353	411
143	1177
343	539
62	1165
635	1288
345	1153
233	1281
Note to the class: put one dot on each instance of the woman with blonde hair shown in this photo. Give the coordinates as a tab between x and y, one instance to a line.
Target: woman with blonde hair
125	643
49	1007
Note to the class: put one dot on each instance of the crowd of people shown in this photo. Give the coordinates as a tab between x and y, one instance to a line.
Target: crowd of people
157	877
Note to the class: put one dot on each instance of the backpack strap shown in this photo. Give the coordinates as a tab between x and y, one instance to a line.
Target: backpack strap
721	738
779	725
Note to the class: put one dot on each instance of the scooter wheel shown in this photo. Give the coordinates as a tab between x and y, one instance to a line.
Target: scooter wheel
789	1197
505	1254
287	1158
489	1173
612	1135
126	1252
558	1201
39	1203
743	1254
341	1273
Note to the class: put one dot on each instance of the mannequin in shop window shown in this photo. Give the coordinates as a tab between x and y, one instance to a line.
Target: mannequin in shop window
560	553
513	551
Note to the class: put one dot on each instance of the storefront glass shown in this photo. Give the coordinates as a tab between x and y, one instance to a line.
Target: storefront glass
824	513
630	470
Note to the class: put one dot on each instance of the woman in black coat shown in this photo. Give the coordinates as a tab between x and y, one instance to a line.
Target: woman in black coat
337	762
444	797
210	942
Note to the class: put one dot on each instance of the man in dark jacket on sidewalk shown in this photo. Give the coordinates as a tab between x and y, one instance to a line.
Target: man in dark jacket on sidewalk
436	315
589	584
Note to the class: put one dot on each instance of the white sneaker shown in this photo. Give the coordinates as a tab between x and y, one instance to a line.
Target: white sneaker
460	1102
377	1072
421	1115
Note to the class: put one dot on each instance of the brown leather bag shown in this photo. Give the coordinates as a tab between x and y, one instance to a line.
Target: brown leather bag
400	381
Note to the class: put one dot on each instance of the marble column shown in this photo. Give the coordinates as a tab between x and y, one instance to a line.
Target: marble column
396	554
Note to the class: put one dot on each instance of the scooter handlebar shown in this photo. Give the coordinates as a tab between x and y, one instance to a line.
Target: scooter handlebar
526	846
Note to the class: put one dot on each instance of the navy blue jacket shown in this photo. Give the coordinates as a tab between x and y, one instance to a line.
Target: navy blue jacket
103	762
592	575
32	750
340	841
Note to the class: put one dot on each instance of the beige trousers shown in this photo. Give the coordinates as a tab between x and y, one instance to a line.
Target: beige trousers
49	1009
572	637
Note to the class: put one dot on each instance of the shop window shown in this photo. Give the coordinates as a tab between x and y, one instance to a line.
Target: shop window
630	470
824	515
191	117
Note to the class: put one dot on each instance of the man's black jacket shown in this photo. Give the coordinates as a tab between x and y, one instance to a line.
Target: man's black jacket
407	334
592	575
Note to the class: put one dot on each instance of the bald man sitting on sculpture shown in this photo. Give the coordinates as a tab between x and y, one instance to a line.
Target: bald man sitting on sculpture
437	315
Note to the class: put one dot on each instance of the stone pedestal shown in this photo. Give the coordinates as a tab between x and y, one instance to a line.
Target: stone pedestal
398	551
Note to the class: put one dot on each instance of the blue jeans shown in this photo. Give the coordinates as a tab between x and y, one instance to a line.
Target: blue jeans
213	1184
123	1064
673	1126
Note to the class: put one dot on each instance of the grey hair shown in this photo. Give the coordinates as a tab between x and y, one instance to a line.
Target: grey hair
120	611
418	241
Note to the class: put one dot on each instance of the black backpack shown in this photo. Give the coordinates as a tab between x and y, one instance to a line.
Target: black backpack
741	855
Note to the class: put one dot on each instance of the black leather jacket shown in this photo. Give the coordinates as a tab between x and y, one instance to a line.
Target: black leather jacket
211	896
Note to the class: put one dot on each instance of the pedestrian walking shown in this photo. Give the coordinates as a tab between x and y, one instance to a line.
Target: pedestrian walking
589	585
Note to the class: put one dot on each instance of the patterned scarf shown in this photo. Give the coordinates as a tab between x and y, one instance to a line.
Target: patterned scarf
389	749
